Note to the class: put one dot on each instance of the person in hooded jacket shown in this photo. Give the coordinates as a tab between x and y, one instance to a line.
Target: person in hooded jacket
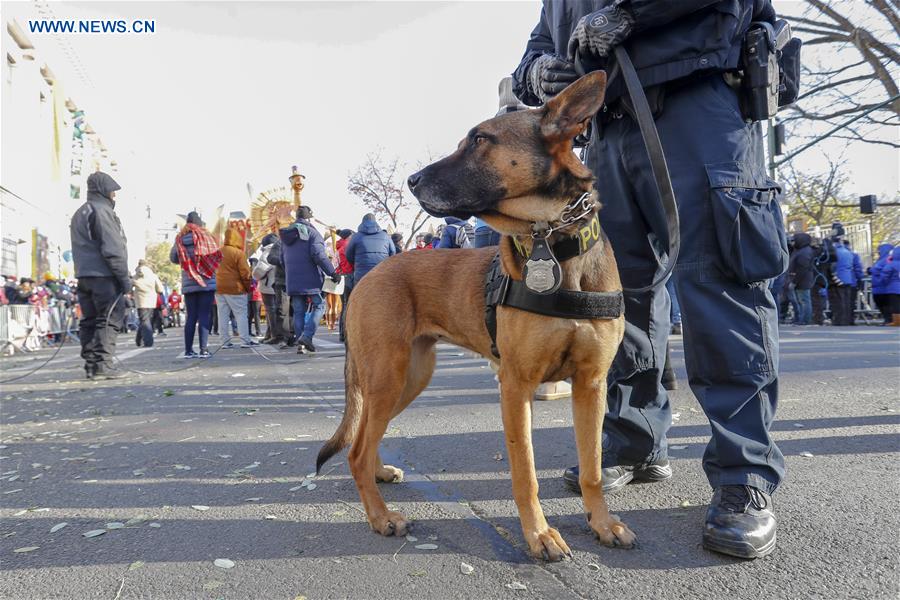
886	283
802	277
101	266
147	288
233	288
305	262
199	255
368	247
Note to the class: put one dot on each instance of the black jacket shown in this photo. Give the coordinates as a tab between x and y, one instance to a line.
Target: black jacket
276	259
802	260
672	38
98	241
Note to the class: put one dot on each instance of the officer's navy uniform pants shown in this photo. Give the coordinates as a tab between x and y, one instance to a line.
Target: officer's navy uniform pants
732	241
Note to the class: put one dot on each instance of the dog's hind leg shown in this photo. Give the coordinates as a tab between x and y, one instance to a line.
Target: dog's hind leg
382	385
588	407
421	367
515	403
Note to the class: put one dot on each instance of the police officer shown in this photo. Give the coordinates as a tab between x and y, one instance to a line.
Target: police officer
682	52
101	266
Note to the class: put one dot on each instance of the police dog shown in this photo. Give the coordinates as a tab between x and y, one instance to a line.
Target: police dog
512	170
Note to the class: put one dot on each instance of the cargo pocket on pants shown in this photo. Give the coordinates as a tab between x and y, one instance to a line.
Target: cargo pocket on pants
748	223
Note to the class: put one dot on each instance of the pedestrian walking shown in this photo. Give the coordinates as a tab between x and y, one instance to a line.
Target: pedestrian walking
368	247
147	288
101	266
682	50
232	290
305	264
196	250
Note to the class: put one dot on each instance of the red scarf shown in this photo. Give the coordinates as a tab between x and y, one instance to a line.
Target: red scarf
207	255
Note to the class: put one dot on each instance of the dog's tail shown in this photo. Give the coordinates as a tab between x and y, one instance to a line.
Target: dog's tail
350	423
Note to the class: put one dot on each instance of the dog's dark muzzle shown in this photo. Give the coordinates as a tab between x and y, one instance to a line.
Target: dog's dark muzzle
448	197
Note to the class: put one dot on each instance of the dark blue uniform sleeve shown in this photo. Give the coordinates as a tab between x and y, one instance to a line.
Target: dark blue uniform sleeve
540	42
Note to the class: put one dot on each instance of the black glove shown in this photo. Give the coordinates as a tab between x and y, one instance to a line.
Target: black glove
127	285
598	33
549	75
336	278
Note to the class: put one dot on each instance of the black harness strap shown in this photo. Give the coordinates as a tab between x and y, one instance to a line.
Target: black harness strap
501	289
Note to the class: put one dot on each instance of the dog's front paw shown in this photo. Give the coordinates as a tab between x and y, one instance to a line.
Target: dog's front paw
611	531
389	474
547	544
391	523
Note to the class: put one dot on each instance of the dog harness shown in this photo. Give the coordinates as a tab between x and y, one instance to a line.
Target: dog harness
500	288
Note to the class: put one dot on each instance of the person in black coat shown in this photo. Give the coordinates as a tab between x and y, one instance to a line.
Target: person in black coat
802	277
101	266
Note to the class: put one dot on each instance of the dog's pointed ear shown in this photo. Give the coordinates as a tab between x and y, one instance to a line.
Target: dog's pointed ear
567	114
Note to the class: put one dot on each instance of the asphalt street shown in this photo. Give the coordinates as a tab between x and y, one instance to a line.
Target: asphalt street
179	469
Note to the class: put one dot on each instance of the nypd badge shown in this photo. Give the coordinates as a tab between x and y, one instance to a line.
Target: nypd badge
542	271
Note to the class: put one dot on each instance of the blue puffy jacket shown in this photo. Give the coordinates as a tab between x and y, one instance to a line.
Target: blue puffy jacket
188	284
368	247
885	272
672	38
843	268
304	258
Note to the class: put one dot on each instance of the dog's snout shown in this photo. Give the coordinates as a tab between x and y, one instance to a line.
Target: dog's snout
414	180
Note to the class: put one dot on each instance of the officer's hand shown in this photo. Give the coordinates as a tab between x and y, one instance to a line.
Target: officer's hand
549	75
598	33
336	278
126	284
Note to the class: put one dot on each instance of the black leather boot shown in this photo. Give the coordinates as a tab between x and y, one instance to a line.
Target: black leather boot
740	522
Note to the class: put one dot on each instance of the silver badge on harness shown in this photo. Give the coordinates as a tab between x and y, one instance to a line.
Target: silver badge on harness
542	272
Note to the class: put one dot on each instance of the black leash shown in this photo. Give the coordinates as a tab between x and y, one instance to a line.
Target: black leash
647	125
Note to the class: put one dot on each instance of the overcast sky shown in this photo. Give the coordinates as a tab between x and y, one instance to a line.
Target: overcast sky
229	93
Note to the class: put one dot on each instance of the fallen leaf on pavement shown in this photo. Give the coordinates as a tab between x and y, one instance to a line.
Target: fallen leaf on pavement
93	533
677	447
200	507
427	546
223	563
57	527
806	454
515	585
237	374
155	525
136	565
25	549
115	525
466	568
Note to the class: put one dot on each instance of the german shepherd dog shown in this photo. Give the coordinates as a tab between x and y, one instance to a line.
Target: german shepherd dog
512	170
